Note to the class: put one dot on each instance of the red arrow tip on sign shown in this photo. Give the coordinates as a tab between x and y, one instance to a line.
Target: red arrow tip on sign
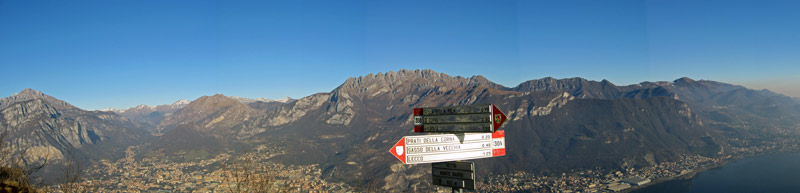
399	150
498	117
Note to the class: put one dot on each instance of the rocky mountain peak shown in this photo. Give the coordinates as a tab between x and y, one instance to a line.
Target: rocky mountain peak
684	80
550	82
31	94
375	84
212	102
208	112
150	116
49	127
284	100
606	82
246	100
578	87
182	102
243	99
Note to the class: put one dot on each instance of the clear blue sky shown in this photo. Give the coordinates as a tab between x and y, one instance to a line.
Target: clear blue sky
98	54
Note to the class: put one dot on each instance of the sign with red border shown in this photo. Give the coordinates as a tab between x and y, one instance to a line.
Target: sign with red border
449	147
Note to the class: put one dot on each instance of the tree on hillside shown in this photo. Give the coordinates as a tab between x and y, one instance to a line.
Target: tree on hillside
15	170
73	171
244	175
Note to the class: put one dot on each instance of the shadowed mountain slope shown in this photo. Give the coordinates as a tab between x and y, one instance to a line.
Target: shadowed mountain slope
50	128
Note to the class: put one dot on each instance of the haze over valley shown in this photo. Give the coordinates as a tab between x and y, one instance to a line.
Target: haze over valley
338	140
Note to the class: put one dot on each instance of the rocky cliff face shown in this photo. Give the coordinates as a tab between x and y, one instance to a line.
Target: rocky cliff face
578	87
719	103
48	128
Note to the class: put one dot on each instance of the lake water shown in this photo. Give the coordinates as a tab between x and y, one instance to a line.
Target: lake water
769	173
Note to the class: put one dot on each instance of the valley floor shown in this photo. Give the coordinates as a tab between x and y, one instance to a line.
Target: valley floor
213	174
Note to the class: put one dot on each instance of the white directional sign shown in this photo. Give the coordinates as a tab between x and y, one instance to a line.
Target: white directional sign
449	147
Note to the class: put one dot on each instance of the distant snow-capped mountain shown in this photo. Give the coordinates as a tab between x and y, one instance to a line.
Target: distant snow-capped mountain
143	107
261	99
150	116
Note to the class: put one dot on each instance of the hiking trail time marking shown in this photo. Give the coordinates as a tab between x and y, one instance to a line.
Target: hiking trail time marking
449	147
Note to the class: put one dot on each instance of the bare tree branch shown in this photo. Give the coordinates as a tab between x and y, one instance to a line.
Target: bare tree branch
15	169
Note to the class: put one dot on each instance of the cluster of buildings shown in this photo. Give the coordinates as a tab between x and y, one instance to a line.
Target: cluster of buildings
603	180
213	174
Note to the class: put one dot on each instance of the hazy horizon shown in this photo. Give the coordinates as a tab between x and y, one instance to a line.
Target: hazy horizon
342	81
97	55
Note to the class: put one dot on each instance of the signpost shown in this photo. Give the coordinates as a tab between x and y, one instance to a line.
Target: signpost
454	174
469	118
469	132
449	147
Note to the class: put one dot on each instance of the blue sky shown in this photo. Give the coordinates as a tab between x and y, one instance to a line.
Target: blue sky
99	54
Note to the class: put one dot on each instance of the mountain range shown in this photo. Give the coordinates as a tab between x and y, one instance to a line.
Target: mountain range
554	124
